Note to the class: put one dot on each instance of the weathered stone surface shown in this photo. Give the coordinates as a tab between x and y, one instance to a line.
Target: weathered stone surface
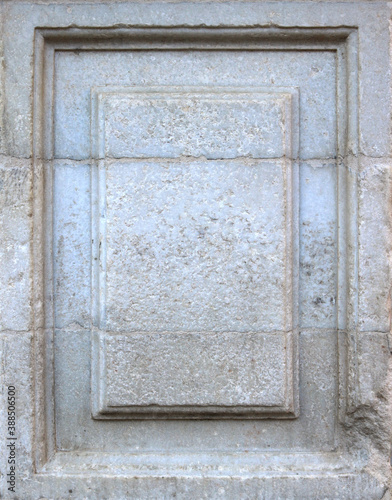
373	376
72	243
313	431
16	355
170	122
206	246
195	212
245	374
375	245
318	244
309	71
15	228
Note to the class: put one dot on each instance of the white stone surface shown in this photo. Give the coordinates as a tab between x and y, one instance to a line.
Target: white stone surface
307	71
375	245
318	244
313	431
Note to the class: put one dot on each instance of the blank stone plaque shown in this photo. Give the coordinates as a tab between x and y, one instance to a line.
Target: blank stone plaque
194	270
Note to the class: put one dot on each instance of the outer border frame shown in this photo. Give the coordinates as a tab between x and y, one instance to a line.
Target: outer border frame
343	41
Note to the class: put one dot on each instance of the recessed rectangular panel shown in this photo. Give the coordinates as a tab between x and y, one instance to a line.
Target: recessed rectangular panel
194	269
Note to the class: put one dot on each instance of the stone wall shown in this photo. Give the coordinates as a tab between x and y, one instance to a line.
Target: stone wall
195	253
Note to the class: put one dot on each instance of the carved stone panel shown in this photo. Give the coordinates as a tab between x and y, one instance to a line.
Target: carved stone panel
195	235
195	209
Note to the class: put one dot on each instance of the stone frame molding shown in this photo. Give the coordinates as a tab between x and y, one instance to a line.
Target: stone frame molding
342	41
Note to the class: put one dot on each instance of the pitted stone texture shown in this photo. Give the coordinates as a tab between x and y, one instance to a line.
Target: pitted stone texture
345	98
371	17
344	487
204	246
375	245
196	373
373	378
2	78
16	354
312	73
226	123
15	228
15	185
